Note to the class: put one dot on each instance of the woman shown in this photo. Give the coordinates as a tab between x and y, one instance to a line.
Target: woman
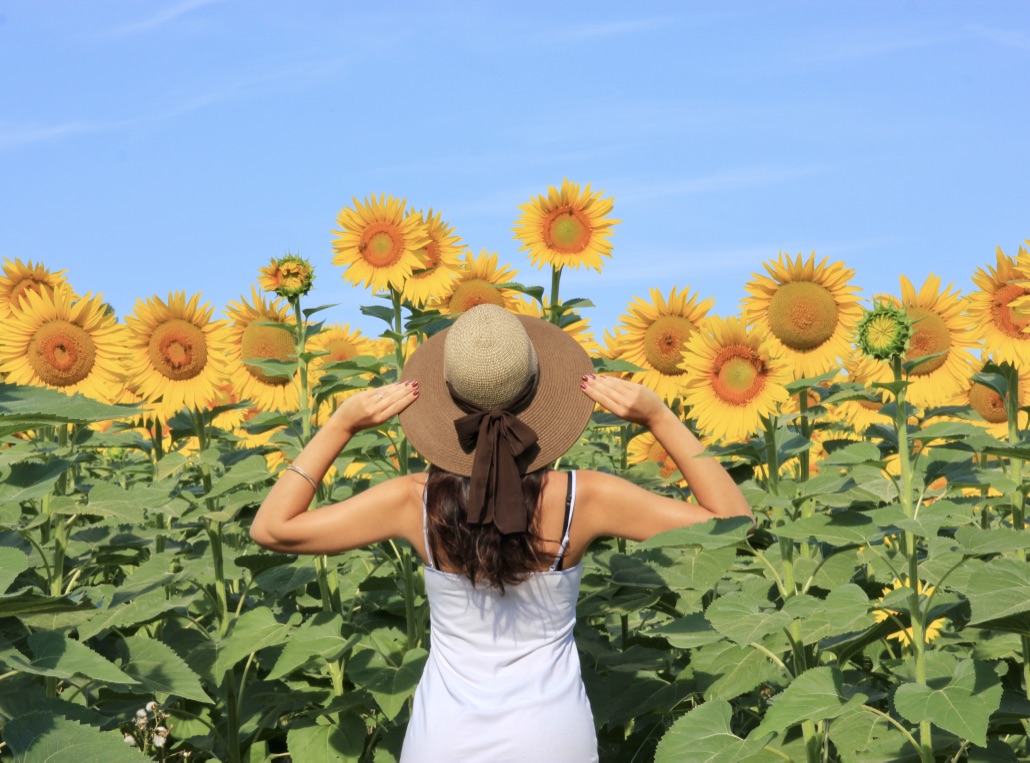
491	403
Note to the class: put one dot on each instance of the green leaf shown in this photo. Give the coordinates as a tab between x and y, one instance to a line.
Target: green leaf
58	656
742	620
160	670
390	684
999	595
381	312
994	381
44	738
29	480
309	311
276	369
725	670
137	610
32	603
325	742
695	568
319	638
285	579
961	704
946	430
841	528
815	695
704	735
714	533
12	563
980	542
688	632
611	366
24	408
862	736
251	632
844	610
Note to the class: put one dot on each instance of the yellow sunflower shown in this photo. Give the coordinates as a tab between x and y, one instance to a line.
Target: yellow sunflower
653	336
809	311
645	447
18	278
261	330
568	227
576	326
438	261
176	353
59	341
990	405
477	283
231	420
991	312
341	343
379	242
862	414
731	379
904	636
938	326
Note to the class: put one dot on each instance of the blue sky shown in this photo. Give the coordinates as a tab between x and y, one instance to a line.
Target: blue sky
152	145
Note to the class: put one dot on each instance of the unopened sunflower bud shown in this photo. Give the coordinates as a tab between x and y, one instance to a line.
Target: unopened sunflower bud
884	332
289	276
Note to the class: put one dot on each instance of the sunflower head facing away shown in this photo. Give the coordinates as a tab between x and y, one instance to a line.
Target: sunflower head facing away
438	261
808	311
378	242
732	381
18	278
568	227
288	276
884	332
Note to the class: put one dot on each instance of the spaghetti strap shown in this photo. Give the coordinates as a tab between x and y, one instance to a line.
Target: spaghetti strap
570	508
425	528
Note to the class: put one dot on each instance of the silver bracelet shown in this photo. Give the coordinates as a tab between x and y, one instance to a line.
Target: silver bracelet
304	474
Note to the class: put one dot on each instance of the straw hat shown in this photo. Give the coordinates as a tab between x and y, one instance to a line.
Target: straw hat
489	356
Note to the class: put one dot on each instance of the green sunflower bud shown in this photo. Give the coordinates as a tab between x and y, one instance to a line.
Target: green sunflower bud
884	332
289	276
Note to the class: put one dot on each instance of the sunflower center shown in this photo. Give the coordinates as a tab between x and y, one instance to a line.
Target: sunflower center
339	349
664	341
472	292
567	230
929	336
988	404
802	315
61	353
178	349
429	259
381	245
266	343
27	284
738	375
1005	319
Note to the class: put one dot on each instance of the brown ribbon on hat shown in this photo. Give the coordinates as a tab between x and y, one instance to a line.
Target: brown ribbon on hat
498	438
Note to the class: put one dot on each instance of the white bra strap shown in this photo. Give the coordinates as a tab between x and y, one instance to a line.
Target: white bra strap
425	527
570	508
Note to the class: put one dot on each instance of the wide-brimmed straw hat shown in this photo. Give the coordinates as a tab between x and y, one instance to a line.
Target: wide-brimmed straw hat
491	357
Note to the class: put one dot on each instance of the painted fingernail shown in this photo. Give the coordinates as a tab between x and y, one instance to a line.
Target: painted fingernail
414	392
585	377
583	386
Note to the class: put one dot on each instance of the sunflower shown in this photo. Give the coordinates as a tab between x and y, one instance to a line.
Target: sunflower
1003	329
379	242
653	336
644	448
572	324
808	310
232	419
991	406
477	283
904	636
568	227
19	278
176	353
288	276
862	414
59	341
732	381
938	326
438	261
341	344
261	330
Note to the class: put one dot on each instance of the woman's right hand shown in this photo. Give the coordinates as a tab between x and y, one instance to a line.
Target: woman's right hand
374	406
627	400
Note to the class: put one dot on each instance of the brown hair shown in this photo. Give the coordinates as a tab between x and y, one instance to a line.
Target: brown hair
480	552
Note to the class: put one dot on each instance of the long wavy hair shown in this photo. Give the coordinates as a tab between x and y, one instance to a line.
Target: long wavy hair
481	552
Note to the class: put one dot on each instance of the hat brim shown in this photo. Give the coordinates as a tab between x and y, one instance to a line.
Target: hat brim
558	412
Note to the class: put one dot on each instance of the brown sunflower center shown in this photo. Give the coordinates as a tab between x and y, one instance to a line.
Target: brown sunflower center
988	404
929	336
567	230
27	284
178	349
664	341
266	343
472	292
381	245
1005	319
802	315
738	375
61	353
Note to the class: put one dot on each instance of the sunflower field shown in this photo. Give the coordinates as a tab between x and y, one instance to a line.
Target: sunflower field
880	611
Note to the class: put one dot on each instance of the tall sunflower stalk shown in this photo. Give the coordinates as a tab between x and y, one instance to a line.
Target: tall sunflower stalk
884	333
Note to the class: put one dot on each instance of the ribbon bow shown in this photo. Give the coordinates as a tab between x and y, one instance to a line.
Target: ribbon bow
498	438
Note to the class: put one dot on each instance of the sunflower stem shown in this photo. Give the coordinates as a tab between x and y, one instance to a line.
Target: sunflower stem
1012	413
554	313
398	322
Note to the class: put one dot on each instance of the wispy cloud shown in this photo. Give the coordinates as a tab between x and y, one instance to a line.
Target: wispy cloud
157	20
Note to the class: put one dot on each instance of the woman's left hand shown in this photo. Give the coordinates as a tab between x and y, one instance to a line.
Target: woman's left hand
374	406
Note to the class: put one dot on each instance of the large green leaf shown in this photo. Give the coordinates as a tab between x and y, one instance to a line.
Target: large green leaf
862	736
158	669
44	738
58	656
725	670
961	703
743	620
319	638
999	595
842	528
390	684
688	632
138	610
995	540
325	742
844	610
696	568
715	533
704	735
108	499
250	632
815	695
25	408
12	563
29	480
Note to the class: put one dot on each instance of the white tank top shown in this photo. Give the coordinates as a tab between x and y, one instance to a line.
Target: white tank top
502	682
